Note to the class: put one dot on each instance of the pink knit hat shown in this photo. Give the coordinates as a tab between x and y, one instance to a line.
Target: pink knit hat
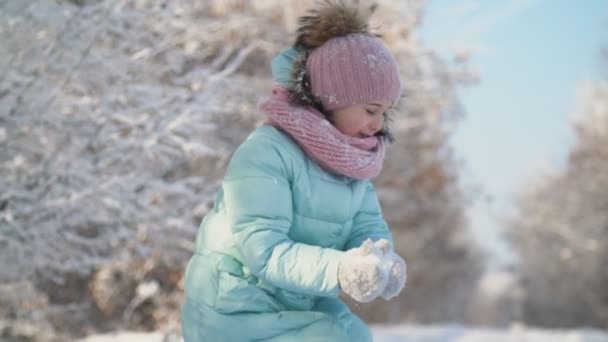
353	69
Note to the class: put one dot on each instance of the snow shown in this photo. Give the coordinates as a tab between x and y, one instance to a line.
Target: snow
362	274
468	334
126	336
411	333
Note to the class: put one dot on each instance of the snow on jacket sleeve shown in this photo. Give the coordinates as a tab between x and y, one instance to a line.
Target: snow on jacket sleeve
369	222
258	200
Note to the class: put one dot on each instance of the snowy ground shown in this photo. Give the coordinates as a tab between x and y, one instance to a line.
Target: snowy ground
467	334
422	334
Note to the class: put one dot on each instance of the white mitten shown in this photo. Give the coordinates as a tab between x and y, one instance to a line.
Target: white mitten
361	274
394	266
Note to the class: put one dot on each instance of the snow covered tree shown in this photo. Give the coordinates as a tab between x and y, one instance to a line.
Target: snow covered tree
561	228
114	131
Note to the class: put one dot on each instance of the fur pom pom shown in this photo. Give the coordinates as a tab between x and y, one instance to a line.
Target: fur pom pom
332	19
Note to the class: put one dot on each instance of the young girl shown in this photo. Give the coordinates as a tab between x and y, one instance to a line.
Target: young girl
297	220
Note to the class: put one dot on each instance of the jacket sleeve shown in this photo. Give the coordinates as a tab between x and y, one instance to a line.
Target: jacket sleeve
258	198
369	221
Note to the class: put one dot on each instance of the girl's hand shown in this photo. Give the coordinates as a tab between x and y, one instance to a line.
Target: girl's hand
361	273
395	268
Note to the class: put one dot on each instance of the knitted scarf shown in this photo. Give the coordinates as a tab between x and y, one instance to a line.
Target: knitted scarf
358	158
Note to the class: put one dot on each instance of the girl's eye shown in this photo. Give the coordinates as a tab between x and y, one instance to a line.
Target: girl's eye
370	112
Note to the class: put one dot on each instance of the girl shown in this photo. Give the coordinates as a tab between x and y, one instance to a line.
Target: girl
297	220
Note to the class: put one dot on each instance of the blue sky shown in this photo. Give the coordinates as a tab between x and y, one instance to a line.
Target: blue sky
531	56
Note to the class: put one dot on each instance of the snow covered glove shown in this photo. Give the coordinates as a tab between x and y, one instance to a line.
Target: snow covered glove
361	274
394	266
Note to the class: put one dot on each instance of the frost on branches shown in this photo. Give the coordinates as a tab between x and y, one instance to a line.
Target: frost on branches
111	141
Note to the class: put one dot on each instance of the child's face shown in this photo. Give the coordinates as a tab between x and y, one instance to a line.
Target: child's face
361	120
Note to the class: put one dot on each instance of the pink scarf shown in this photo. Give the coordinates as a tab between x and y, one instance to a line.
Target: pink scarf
359	158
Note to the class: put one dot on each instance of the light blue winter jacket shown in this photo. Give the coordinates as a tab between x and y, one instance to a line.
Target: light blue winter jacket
267	255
